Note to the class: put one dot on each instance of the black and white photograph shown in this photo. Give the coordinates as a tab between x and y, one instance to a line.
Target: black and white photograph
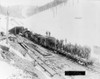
49	39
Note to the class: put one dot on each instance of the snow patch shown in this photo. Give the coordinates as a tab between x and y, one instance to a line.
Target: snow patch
6	70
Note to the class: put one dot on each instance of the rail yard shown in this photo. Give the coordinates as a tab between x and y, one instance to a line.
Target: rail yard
33	56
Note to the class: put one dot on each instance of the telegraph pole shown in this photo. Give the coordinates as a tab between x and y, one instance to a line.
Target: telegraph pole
7	25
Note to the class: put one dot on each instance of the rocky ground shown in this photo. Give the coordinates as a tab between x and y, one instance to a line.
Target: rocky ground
61	64
16	67
8	71
26	68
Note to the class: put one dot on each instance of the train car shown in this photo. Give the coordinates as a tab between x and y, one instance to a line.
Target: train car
75	53
16	30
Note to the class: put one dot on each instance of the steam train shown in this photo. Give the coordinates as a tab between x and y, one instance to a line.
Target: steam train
75	53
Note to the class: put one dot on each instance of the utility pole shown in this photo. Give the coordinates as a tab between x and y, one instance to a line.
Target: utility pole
7	25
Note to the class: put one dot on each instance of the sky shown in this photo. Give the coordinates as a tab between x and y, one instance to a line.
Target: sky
77	20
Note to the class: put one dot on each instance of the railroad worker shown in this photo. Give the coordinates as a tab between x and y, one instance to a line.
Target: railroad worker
65	41
1	33
48	34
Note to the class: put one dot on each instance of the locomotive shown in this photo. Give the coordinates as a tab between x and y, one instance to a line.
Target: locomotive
75	53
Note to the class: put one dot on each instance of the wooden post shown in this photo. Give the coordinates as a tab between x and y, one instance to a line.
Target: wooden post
7	26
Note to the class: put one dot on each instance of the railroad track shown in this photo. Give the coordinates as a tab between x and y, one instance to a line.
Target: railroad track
35	55
92	68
